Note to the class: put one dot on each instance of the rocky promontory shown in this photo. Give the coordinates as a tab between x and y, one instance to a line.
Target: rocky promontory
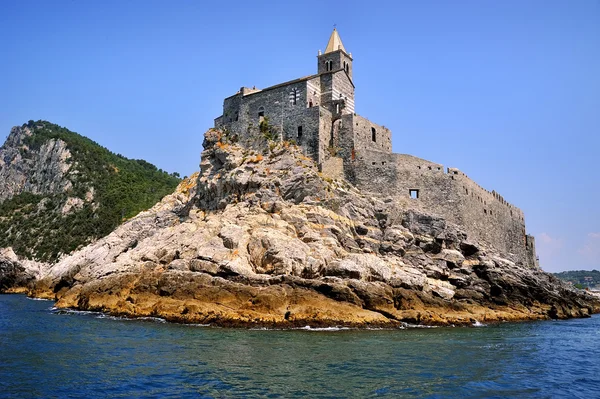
260	238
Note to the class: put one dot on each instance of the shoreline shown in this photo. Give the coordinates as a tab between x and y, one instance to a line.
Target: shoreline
169	310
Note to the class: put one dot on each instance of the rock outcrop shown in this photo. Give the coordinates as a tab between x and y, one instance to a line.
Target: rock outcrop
262	238
18	275
43	171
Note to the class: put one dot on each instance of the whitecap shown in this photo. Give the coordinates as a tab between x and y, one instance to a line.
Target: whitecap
309	328
408	325
38	299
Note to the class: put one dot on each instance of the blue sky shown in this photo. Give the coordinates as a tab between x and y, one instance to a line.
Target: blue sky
507	91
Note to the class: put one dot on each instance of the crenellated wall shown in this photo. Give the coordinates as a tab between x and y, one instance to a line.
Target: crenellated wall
484	215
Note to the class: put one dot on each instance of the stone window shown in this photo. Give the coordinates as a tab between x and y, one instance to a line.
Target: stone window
310	104
413	193
299	132
329	65
485	211
373	135
261	114
337	108
294	95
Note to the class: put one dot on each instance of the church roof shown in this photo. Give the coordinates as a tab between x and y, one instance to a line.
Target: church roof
335	43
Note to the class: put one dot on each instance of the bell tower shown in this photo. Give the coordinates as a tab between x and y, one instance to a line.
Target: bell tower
335	57
335	72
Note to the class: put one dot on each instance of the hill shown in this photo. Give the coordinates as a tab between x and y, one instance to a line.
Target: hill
59	190
581	278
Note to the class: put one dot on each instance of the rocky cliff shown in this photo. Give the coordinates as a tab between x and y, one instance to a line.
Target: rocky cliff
42	171
60	191
262	238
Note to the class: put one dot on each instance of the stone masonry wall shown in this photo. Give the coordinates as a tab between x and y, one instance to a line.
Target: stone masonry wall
343	90
485	216
363	136
241	116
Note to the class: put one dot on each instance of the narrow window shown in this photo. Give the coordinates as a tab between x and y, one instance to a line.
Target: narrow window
485	211
373	135
299	132
294	96
236	116
261	114
414	193
347	68
310	104
337	108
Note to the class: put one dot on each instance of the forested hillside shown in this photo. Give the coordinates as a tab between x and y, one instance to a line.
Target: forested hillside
98	190
581	278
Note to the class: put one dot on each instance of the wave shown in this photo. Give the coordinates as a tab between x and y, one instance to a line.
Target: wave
38	299
408	325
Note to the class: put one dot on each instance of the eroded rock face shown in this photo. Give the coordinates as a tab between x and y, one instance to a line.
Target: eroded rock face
261	238
39	172
18	275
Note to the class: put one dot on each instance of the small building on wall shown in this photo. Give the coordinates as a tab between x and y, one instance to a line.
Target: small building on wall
317	112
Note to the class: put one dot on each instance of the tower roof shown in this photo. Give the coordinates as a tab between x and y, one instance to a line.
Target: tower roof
335	43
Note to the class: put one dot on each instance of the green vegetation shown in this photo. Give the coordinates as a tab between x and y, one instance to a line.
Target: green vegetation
35	226
581	278
267	130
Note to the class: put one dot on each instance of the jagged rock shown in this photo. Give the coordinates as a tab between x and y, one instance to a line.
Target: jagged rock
265	240
43	172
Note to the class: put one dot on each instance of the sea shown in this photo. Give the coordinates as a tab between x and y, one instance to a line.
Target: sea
50	353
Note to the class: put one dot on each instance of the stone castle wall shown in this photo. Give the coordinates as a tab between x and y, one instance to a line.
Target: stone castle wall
289	121
484	215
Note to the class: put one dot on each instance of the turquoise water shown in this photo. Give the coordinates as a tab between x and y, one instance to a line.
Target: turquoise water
49	354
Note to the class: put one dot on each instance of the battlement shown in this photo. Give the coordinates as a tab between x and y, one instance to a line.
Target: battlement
488	199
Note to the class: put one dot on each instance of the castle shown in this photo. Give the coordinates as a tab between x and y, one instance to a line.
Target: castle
317	112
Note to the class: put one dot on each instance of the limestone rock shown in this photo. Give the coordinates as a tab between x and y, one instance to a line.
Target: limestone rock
260	238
